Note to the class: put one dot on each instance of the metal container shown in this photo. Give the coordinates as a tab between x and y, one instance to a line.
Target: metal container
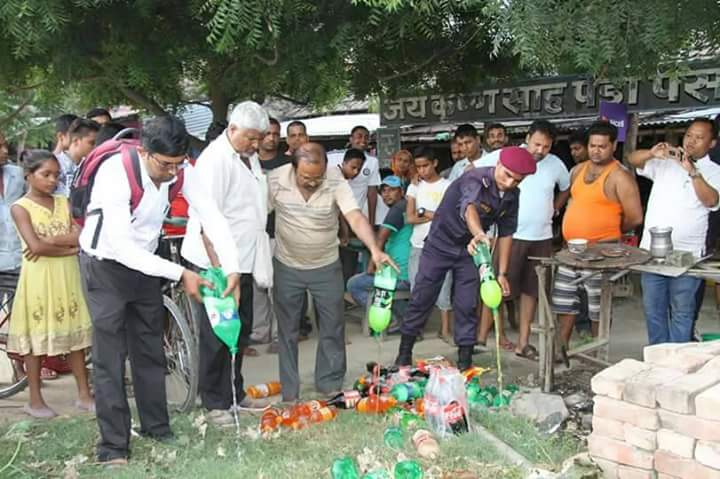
660	241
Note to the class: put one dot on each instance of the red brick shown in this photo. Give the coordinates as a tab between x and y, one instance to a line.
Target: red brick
608	428
707	403
641	438
691	426
679	395
611	381
669	463
626	472
676	443
657	352
639	416
640	389
619	452
708	454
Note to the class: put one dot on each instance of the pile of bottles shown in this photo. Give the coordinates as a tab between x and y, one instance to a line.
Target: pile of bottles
483	397
297	416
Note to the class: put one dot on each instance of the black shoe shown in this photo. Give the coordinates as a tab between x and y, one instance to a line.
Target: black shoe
404	357
464	357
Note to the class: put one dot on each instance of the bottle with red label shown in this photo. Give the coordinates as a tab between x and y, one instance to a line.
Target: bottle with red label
375	404
456	417
323	414
345	399
264	390
270	420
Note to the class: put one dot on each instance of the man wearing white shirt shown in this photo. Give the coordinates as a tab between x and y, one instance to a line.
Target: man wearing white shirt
685	189
231	175
467	138
122	278
537	207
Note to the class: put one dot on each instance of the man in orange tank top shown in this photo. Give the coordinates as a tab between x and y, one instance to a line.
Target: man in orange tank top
604	204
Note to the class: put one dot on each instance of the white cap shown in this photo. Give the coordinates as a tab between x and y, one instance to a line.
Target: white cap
250	115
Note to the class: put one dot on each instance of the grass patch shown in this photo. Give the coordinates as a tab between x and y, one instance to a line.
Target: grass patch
64	448
546	450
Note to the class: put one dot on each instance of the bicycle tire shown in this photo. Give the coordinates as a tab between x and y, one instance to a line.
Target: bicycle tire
182	354
8	284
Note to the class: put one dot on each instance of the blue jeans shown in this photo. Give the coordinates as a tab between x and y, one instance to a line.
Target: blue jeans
360	285
669	307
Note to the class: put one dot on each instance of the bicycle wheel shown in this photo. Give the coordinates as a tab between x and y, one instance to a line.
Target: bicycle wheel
181	359
12	369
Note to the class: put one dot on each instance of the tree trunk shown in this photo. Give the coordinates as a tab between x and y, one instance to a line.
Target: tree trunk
219	99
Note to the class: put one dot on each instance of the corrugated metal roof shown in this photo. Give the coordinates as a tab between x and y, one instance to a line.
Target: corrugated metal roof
197	119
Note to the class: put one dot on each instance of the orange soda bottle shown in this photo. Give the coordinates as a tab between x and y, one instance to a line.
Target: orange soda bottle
316	404
270	420
264	390
323	414
375	404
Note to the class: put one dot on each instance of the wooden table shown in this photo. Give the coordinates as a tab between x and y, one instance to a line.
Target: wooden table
598	259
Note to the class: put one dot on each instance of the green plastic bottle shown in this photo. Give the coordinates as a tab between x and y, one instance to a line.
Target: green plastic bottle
490	290
408	470
222	312
409	420
344	468
393	437
378	474
380	312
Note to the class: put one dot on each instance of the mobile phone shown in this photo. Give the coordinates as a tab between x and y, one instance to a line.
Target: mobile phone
676	153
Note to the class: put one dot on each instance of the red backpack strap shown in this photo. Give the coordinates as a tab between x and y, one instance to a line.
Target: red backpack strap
131	162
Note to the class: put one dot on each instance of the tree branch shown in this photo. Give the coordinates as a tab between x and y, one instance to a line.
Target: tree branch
271	62
133	95
17	111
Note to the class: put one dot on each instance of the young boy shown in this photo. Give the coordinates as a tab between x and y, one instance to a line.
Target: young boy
81	136
422	201
350	167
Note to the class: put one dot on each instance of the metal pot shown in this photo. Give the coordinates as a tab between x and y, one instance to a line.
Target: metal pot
660	241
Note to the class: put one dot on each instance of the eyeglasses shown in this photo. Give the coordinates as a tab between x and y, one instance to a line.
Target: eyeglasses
169	165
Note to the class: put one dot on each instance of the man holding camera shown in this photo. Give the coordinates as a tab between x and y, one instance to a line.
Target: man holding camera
685	189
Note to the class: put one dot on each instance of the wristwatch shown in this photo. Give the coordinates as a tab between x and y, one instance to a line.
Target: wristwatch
694	174
421	211
501	274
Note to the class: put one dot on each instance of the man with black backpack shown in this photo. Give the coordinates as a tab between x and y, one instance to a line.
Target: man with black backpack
121	193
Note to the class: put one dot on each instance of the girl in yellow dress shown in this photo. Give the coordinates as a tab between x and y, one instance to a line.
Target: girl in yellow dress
49	315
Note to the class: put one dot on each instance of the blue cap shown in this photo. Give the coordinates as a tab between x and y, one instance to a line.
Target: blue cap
392	181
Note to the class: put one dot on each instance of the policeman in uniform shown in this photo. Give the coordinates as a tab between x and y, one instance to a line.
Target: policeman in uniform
477	200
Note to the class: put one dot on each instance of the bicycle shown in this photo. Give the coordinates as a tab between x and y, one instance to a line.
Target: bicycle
178	341
12	368
181	350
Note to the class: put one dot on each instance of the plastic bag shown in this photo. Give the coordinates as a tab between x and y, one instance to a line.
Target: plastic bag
446	406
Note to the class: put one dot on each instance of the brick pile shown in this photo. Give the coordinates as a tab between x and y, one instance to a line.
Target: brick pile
659	418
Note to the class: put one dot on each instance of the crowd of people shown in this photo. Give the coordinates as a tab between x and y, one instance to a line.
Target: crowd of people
285	224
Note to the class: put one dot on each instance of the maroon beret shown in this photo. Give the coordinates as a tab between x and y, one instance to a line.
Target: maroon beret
518	160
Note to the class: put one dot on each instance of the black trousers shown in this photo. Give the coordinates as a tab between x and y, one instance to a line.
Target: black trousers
214	386
127	314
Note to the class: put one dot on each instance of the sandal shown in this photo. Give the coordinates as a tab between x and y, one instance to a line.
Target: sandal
528	352
448	339
48	374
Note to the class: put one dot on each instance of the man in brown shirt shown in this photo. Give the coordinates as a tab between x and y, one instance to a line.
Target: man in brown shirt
307	198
